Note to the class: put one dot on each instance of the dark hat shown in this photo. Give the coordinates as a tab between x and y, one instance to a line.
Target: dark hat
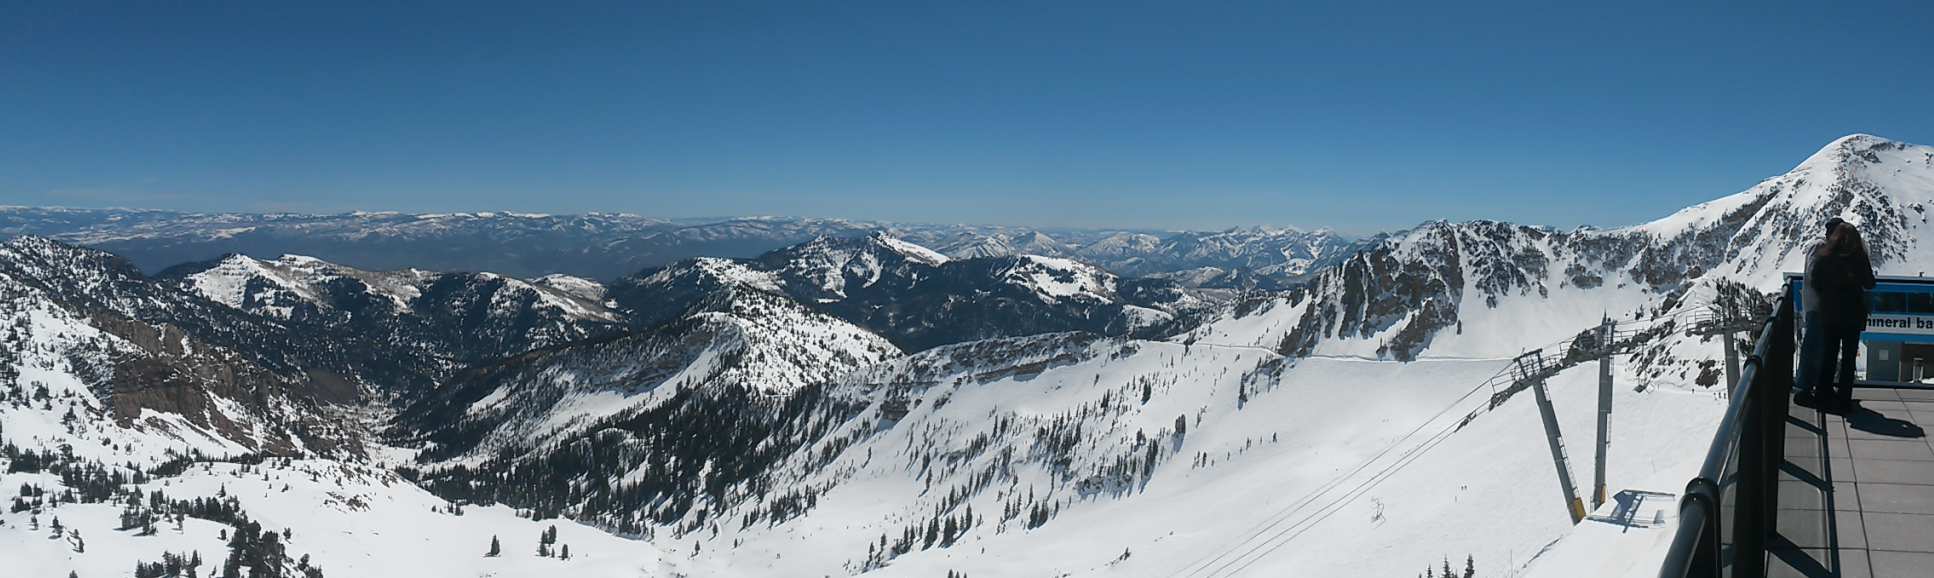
1834	223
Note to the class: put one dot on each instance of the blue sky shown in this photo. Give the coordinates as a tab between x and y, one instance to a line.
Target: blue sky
1357	115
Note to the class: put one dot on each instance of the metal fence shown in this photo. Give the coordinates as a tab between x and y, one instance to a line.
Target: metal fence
1728	512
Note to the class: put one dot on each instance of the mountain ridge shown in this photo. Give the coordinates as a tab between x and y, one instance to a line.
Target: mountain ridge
765	422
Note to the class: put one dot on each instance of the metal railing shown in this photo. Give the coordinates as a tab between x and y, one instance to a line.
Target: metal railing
1728	511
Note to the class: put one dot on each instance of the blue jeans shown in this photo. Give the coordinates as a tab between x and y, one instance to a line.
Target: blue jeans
1826	360
1843	347
1813	345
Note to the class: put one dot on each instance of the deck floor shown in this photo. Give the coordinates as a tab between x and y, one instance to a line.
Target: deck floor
1857	491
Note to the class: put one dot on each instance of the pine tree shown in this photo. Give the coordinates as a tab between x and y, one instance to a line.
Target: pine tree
1470	566
496	549
564	552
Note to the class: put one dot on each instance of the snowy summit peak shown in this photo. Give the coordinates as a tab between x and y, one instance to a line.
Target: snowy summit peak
906	249
1848	148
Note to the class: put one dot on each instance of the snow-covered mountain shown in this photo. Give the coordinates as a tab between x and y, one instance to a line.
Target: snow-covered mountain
414	326
1266	257
762	343
1484	287
101	360
138	418
656	428
920	298
823	269
1006	244
298	287
1276	256
1048	441
857	404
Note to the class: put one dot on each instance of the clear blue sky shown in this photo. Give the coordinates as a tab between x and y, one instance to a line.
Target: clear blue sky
1357	115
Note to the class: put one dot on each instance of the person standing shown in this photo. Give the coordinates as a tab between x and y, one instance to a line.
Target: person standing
1843	275
1812	328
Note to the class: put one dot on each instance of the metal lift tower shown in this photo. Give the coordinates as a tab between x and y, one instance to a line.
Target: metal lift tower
1730	313
1606	334
1530	369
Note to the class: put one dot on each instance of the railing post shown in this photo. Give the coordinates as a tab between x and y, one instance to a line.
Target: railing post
1606	333
1762	447
1776	375
1749	482
1745	457
1707	561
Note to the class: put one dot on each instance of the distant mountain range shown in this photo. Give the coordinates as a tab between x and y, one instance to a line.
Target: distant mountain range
788	397
607	246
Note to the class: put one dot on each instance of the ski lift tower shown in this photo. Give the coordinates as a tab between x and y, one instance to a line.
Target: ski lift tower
1607	336
1730	313
1531	370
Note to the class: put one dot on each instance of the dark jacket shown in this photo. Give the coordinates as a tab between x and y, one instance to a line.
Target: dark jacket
1843	282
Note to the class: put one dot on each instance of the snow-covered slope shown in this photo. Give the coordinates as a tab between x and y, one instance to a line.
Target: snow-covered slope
761	424
1215	455
742	342
341	520
1053	280
1051	462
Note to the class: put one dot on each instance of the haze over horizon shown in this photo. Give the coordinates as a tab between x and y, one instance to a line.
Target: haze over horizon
1361	119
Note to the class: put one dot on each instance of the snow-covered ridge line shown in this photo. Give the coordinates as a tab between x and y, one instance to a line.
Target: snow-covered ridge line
244	282
1426	287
